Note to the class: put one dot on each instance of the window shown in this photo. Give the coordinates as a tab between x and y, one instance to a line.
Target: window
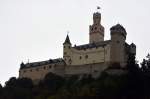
80	57
86	56
95	28
44	67
31	70
50	66
64	46
24	71
37	69
69	47
65	53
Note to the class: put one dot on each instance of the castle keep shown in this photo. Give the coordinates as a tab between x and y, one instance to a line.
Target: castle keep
91	58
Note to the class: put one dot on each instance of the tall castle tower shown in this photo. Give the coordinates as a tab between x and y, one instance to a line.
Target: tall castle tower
96	31
118	37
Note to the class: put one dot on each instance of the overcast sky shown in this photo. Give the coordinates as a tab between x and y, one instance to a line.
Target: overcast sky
36	29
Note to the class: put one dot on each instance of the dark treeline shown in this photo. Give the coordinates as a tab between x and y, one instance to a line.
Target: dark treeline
134	84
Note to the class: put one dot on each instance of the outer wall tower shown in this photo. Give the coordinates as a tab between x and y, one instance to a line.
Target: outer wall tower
118	37
96	31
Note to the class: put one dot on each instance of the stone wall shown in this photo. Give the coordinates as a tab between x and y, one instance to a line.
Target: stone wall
94	69
89	56
37	73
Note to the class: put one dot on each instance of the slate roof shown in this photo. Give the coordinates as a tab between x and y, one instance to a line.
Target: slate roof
41	63
92	45
67	41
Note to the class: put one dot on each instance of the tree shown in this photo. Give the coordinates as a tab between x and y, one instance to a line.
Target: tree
143	65
145	68
1	86
1	89
12	82
53	82
86	79
132	66
24	83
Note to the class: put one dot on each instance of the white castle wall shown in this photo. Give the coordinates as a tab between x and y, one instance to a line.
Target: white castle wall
89	56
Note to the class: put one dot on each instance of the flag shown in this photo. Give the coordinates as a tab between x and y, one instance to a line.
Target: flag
98	7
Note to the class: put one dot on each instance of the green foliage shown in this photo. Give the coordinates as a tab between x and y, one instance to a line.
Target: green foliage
132	66
52	82
12	82
1	88
145	65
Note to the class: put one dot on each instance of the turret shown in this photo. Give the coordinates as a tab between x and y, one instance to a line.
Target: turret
67	51
133	49
118	37
22	65
96	31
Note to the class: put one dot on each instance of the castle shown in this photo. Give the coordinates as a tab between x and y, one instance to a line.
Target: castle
91	58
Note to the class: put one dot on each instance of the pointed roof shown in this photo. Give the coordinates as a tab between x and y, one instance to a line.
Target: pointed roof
67	41
133	45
